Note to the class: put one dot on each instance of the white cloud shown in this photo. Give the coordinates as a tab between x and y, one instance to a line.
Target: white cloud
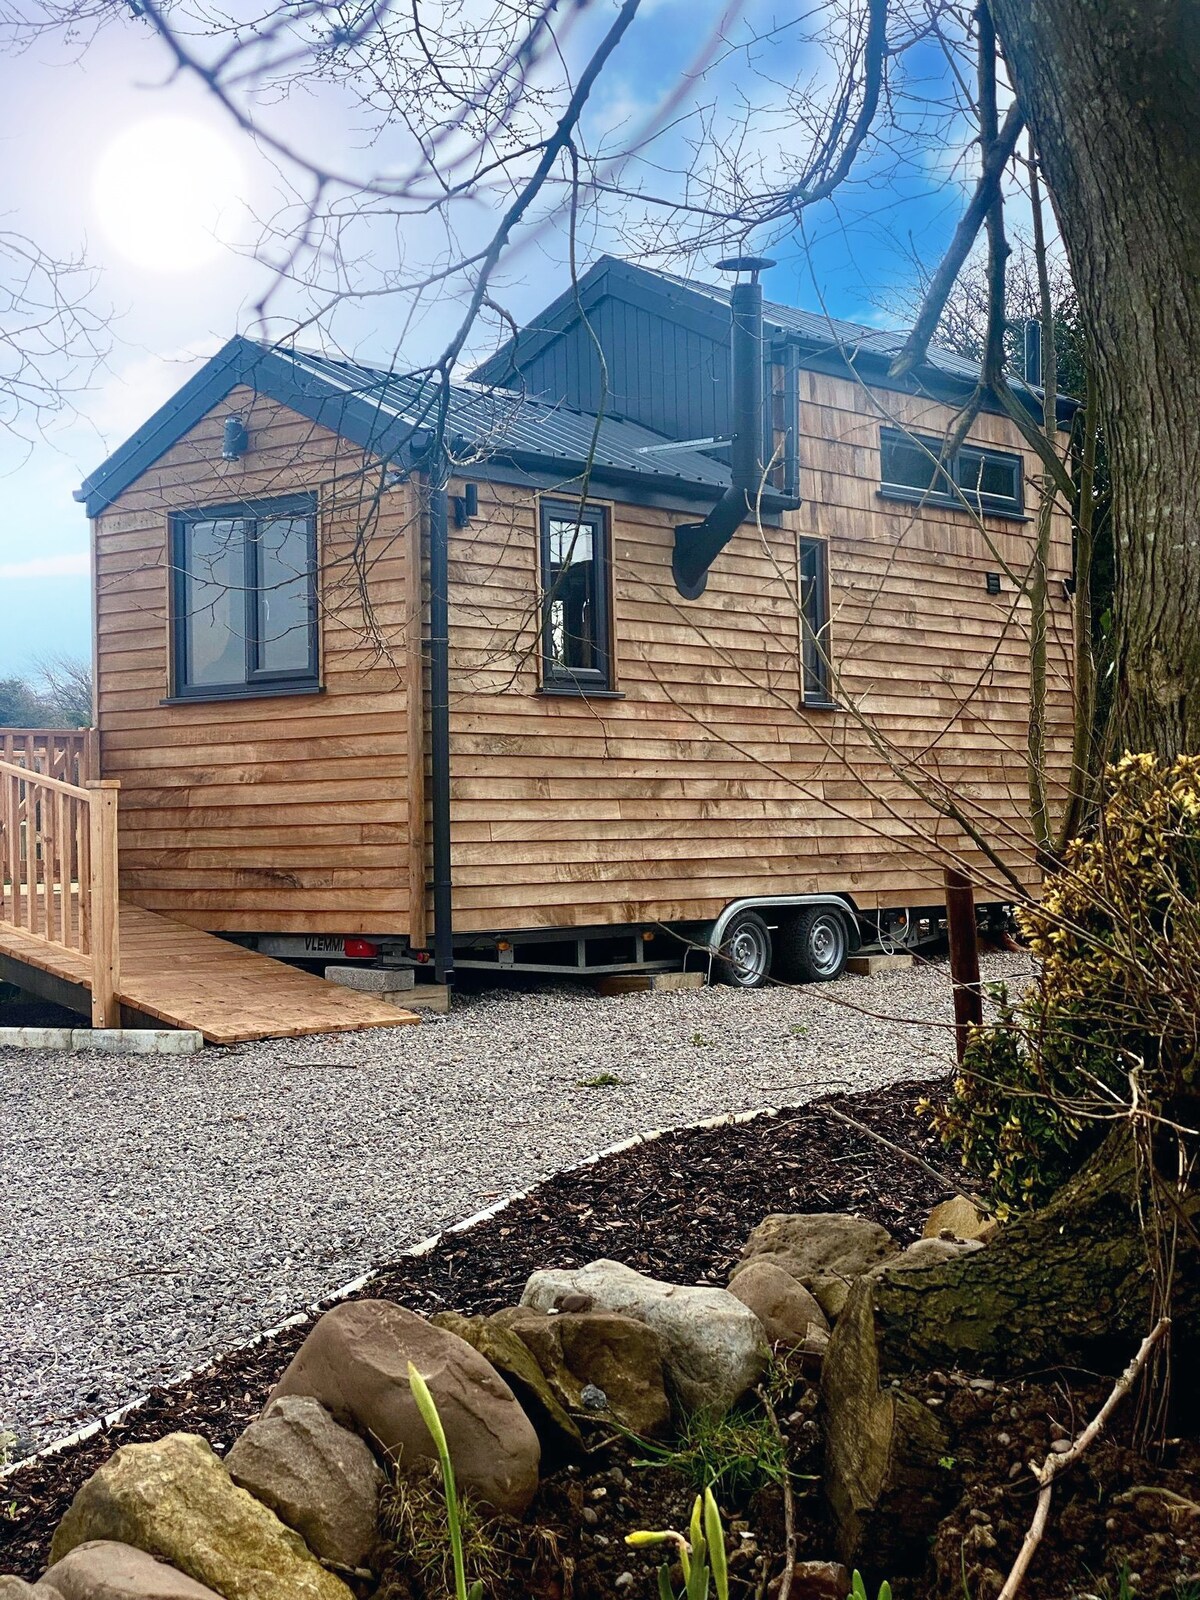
74	565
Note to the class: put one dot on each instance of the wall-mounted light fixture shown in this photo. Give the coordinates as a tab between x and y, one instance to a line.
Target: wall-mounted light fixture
466	505
236	440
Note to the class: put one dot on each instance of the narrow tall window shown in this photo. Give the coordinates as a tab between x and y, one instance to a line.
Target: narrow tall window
816	682
914	469
576	621
243	600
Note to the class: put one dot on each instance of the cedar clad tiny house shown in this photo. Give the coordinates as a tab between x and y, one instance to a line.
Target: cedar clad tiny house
664	659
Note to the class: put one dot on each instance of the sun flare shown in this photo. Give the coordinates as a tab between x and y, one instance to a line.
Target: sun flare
168	193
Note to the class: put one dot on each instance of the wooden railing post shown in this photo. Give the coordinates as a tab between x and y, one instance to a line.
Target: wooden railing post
103	896
964	957
89	756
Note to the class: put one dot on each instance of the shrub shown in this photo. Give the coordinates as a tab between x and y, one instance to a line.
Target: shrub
1114	1010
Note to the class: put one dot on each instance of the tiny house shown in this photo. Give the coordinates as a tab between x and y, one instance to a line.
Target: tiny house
678	656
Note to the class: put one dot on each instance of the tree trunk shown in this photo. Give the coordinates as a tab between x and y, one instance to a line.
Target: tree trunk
1111	89
1071	1285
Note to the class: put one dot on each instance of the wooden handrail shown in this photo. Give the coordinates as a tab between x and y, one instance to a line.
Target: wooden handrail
67	753
58	871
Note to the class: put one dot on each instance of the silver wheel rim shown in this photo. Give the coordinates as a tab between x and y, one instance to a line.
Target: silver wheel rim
748	954
826	945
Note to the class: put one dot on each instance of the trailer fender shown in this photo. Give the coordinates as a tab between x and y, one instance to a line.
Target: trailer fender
783	902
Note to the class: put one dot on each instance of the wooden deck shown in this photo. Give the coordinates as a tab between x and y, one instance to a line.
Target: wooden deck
189	979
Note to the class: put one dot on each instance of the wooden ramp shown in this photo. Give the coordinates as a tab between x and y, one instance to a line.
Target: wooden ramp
190	979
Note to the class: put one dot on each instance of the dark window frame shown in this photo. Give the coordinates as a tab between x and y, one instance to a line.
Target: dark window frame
556	679
256	681
957	493
816	687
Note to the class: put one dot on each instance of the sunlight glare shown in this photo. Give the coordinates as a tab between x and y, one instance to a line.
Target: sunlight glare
168	194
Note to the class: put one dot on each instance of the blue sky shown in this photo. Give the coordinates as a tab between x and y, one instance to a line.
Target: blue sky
90	167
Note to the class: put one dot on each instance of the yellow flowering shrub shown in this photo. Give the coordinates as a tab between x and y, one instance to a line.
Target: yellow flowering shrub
1113	1015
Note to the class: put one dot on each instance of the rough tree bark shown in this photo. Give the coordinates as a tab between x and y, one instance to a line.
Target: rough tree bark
1071	1285
1111	90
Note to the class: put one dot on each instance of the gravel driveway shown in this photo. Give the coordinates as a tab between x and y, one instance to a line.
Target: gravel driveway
158	1211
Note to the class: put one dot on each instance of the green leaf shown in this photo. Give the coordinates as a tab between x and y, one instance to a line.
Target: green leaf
714	1536
664	1584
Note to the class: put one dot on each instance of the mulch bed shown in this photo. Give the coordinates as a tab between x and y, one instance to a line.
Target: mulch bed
680	1209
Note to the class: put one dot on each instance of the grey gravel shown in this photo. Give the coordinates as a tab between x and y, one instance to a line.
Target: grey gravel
158	1211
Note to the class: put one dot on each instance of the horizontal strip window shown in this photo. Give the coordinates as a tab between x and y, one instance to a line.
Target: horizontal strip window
244	600
914	468
576	603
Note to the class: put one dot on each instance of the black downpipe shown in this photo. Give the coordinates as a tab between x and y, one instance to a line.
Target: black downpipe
698	544
439	724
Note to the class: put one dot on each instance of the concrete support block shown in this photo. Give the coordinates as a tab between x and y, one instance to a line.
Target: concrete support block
112	1041
379	981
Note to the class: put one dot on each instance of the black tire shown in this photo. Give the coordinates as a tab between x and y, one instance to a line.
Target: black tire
813	946
746	952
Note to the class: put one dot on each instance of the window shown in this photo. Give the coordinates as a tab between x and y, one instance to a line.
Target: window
575	598
816	682
244	600
990	480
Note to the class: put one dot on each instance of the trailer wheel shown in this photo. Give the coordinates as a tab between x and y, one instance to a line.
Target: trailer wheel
813	946
745	958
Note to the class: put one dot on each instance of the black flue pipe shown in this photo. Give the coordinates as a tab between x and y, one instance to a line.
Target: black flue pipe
698	544
439	728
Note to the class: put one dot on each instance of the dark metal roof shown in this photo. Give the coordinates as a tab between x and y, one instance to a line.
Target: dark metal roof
823	343
393	416
822	332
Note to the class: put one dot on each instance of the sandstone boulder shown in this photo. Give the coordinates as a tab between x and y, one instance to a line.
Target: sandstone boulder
516	1364
961	1218
355	1362
101	1569
715	1348
175	1499
14	1588
601	1351
317	1477
927	1253
825	1251
785	1308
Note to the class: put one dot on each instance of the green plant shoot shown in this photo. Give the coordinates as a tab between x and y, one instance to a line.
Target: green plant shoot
429	1416
701	1554
858	1589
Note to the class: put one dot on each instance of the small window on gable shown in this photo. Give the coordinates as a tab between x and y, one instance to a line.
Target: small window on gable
244	600
816	675
576	608
914	469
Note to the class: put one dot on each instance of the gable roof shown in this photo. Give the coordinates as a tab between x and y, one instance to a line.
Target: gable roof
391	416
821	342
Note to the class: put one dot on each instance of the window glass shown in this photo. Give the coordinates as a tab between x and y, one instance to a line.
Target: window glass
993	476
907	464
814	621
214	600
243	599
575	622
909	470
283	595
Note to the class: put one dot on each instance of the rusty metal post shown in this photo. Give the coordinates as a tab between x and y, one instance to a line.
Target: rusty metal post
964	957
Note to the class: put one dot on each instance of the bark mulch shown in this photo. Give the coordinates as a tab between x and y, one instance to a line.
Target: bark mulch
679	1208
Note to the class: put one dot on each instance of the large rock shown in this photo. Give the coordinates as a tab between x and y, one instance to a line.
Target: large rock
823	1250
926	1253
104	1570
14	1588
316	1476
355	1362
602	1351
961	1218
175	1499
785	1308
715	1348
516	1364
